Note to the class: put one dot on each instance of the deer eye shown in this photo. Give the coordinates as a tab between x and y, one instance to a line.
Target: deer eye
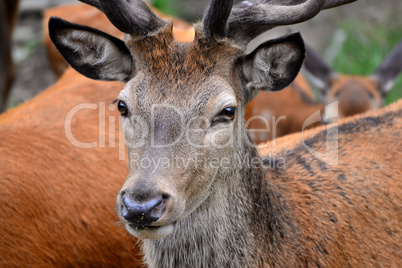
226	115
122	107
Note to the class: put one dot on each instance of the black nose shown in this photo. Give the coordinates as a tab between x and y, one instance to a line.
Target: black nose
142	213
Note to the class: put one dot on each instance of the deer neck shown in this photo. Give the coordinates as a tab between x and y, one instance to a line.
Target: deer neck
240	224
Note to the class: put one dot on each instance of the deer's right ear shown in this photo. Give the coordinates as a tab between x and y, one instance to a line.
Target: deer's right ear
91	52
274	64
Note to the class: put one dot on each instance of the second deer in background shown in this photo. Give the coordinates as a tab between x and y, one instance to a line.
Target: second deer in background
356	94
275	114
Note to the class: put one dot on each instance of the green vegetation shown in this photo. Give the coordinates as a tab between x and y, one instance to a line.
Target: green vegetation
363	50
166	6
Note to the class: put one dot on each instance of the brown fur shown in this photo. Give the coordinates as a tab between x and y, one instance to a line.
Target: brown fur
356	94
347	216
56	200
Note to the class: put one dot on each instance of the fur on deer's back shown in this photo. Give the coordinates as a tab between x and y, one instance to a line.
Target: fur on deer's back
57	200
366	180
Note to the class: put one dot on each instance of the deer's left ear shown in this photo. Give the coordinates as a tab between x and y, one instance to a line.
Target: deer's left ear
274	64
91	52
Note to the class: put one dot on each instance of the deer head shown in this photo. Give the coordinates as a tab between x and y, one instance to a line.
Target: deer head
356	94
183	104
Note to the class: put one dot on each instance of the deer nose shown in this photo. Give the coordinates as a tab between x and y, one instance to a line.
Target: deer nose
143	213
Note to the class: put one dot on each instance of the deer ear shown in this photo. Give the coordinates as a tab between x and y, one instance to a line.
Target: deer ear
91	52
389	70
319	73
274	64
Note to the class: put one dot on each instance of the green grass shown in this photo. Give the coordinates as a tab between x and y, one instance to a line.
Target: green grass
365	48
166	6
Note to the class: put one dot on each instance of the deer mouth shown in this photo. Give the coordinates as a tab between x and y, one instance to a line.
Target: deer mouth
150	232
141	227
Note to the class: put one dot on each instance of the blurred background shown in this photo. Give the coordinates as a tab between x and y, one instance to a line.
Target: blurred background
353	39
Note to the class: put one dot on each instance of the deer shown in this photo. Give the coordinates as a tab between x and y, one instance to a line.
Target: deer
288	209
8	16
355	94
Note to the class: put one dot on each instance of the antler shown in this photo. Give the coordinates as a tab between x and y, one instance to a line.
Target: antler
129	16
251	18
216	18
241	24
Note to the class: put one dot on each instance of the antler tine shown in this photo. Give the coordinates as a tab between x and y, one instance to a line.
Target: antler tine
129	16
216	18
335	3
251	18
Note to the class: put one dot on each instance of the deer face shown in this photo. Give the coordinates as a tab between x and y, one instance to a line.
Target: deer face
181	118
355	94
175	149
183	103
183	125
